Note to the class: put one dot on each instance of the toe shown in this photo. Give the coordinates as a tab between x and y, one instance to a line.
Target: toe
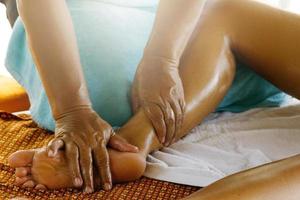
40	187
29	184
21	180
23	171
21	158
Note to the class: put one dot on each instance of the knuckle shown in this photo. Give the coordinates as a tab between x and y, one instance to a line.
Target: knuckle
85	157
170	120
103	145
103	161
72	152
99	137
101	152
179	117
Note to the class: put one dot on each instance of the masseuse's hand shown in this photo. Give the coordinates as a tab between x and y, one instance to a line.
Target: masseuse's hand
84	136
158	89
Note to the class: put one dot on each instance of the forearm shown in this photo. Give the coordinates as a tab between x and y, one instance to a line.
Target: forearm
53	45
173	27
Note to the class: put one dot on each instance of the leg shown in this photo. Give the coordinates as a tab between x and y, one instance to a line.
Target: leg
276	58
211	71
210	23
278	180
268	40
208	60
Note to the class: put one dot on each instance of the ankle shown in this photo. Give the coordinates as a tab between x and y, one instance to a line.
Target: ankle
139	131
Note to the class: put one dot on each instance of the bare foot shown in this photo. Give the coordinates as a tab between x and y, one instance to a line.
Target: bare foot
34	169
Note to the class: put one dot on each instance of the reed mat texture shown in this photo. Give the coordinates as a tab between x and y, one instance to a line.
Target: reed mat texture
20	132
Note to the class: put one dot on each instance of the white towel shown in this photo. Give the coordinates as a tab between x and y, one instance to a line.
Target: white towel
228	143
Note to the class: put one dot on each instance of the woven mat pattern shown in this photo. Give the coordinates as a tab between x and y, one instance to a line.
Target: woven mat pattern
20	132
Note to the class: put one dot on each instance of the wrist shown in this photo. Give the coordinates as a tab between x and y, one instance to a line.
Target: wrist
152	62
65	102
75	110
153	57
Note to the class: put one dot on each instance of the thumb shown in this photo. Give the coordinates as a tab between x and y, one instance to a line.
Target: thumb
120	144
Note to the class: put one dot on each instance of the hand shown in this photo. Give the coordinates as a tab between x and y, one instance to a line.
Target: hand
158	89
84	136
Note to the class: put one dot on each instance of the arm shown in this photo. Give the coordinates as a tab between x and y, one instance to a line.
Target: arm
157	86
79	129
175	22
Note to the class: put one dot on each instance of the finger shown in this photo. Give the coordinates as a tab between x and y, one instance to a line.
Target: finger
182	105
87	168
72	155
155	114
118	143
178	118
53	146
22	171
170	123
102	162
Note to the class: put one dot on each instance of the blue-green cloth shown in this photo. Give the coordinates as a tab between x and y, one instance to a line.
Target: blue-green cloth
111	37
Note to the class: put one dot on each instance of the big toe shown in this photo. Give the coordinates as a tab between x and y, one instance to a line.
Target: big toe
21	158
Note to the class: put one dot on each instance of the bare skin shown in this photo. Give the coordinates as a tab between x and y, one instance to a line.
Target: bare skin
34	167
208	62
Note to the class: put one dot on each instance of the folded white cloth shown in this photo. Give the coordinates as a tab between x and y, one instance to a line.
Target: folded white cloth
227	143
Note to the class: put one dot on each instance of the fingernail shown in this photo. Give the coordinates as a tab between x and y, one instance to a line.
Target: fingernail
50	153
77	182
88	189
163	140
107	186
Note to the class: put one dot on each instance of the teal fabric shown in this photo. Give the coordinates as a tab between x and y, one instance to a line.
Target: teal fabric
111	36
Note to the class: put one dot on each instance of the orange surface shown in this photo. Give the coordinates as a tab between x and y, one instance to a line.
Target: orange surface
13	97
